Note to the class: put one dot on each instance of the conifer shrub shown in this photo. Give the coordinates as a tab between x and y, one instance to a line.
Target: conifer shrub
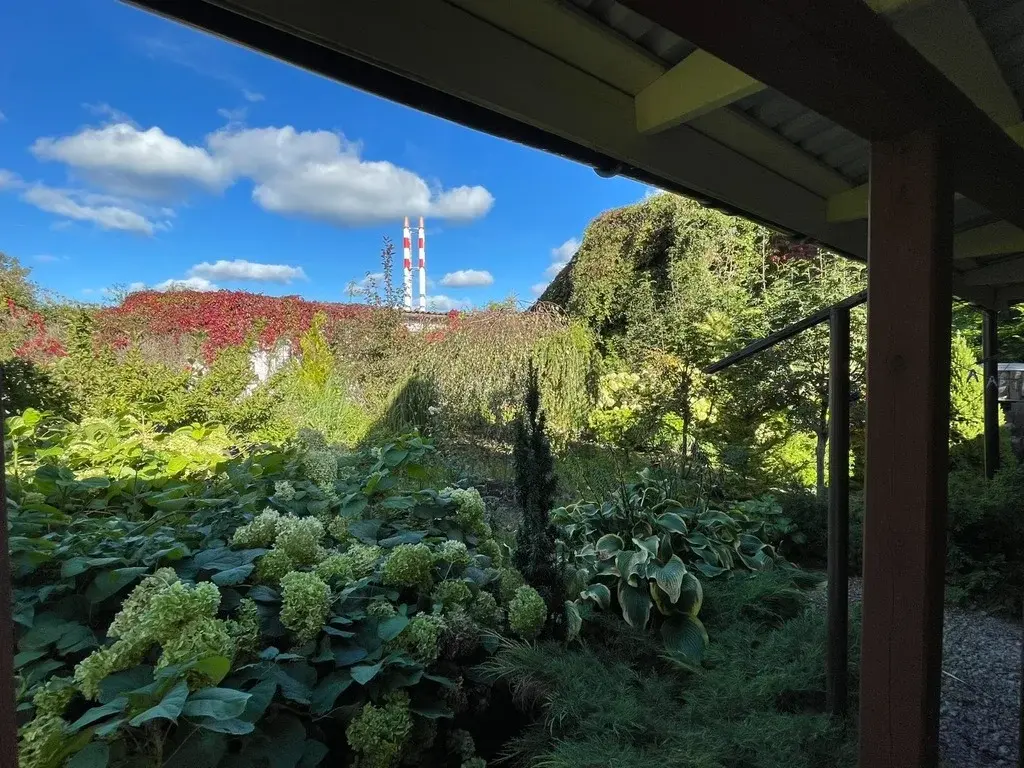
536	486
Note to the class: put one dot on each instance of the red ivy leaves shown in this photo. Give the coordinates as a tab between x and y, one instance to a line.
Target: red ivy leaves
40	345
222	318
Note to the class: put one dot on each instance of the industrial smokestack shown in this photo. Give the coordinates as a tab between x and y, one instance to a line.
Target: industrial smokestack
407	265
423	268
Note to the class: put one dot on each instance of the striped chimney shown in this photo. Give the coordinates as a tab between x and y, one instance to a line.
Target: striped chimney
407	265
423	268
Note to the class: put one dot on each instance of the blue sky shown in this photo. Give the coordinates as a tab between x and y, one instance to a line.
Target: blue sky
137	151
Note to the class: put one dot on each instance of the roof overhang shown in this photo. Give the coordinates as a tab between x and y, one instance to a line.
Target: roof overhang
642	88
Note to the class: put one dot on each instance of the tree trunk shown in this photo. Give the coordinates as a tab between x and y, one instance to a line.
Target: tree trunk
820	465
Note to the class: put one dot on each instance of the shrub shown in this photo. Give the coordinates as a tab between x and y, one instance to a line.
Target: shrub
535	555
527	613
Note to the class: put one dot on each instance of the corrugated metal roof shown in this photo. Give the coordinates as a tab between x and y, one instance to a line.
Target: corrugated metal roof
1002	24
833	145
1001	21
655	39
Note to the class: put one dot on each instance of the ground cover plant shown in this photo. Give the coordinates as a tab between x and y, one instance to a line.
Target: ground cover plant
755	702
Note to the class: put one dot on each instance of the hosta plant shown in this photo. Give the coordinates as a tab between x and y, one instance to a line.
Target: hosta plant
643	550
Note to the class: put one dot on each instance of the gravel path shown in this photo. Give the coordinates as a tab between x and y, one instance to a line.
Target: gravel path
981	666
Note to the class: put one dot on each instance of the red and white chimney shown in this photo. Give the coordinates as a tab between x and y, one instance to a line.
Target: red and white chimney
423	268
407	265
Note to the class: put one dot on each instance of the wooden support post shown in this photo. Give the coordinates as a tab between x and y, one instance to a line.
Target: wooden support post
990	352
909	316
838	511
8	718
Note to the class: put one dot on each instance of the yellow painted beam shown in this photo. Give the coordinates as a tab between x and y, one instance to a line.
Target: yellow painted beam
848	206
699	84
989	240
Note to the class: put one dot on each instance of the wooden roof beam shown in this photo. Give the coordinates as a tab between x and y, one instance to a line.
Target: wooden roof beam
844	61
994	239
699	84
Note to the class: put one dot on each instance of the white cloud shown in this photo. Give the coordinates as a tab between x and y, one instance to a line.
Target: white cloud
318	174
3	117
252	96
187	284
132	161
442	303
8	179
92	208
322	175
111	113
134	287
371	280
240	269
467	278
48	258
566	250
538	288
233	115
554	268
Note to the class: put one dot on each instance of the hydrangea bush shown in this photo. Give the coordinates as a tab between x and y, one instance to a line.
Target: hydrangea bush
282	603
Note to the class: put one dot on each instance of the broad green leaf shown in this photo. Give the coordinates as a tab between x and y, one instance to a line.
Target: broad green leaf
599	593
623	559
235	727
685	635
691	595
434	710
313	754
260	697
328	691
573	620
391	628
110	583
25	657
169	707
635	604
609	545
264	594
670	577
673	522
748	545
348	655
407	537
364	673
660	599
115	707
398	502
284	745
649	544
710	570
120	683
216	703
365	530
95	755
291	688
232	576
215	668
199	750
